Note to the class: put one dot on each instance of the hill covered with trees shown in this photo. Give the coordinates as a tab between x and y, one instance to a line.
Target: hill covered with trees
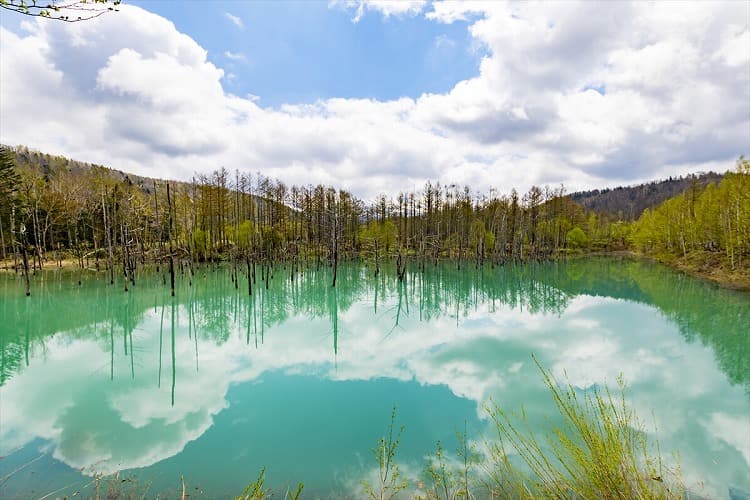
629	202
704	230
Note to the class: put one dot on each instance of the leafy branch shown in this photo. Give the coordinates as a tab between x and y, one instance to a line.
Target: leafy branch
70	12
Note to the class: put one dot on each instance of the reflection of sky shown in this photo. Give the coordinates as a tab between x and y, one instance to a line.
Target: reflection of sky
260	400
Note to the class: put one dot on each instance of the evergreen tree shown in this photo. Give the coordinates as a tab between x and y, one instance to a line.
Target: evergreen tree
9	180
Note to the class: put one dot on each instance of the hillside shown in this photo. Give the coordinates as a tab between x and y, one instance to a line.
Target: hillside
48	166
629	202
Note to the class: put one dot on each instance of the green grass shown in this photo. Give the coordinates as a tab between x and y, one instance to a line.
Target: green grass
600	451
390	481
257	491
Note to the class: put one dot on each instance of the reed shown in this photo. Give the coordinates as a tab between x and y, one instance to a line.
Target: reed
601	450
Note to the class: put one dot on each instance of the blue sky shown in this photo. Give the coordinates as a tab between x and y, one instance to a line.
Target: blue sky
379	96
301	51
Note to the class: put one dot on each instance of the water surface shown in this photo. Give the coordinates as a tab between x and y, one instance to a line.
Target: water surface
301	378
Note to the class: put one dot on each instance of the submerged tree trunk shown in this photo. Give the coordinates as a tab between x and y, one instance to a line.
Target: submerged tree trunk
13	237
249	276
335	254
123	244
400	266
377	258
2	242
171	251
35	222
108	230
25	261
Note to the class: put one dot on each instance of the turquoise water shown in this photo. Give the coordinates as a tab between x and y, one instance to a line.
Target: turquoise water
301	378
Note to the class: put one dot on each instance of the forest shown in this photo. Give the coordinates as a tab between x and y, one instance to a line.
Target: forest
53	210
629	202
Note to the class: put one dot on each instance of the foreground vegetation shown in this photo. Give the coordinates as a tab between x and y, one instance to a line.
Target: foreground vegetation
53	209
601	450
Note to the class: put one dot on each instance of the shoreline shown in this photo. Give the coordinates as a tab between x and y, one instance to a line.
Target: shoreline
701	265
50	265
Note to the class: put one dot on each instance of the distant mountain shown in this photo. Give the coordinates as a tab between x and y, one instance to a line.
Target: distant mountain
629	202
48	166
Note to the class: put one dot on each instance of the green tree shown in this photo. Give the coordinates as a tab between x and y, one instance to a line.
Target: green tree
576	238
9	178
9	184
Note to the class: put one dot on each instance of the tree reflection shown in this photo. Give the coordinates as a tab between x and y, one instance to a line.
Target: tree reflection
215	307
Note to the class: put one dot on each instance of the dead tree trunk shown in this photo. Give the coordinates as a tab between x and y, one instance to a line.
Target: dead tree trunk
171	254
25	260
108	230
2	242
13	237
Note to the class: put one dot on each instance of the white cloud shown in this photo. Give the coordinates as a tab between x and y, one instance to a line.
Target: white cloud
443	41
386	8
735	48
236	20
235	56
673	96
733	431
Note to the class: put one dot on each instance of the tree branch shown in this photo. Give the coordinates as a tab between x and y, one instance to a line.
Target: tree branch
89	9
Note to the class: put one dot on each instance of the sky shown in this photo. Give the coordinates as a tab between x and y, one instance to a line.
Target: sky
379	96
